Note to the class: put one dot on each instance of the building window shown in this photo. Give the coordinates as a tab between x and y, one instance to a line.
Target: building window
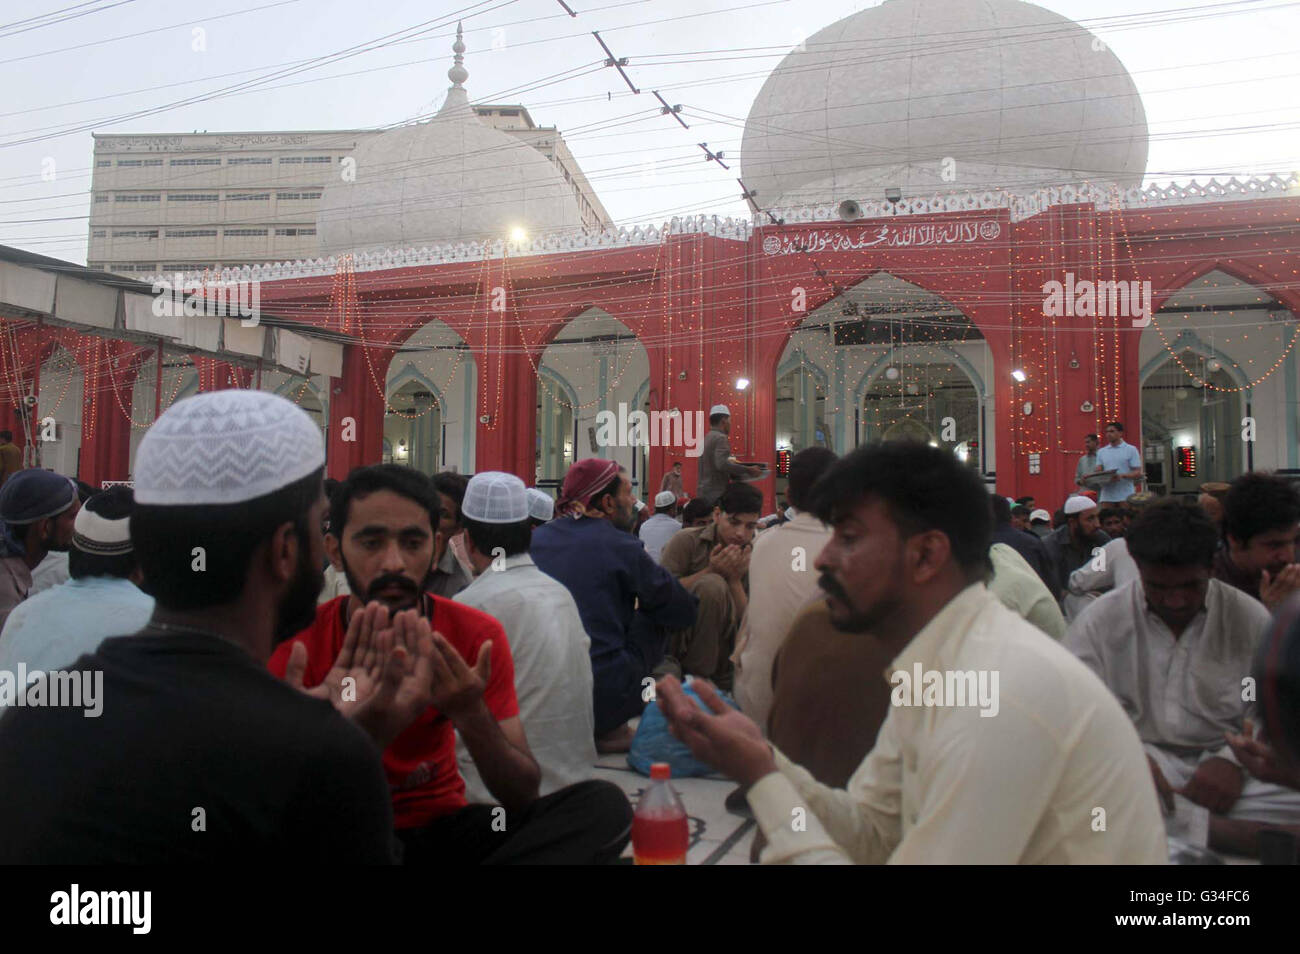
248	196
245	232
195	162
193	197
291	160
298	195
134	267
191	233
318	159
103	163
138	162
136	233
101	198
98	233
137	197
296	231
249	161
186	266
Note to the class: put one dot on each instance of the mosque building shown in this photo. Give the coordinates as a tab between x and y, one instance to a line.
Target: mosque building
950	240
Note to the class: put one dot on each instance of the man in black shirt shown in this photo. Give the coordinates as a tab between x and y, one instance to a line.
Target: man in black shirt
199	754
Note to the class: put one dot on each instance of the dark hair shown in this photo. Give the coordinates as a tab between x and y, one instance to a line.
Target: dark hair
609	490
364	481
1000	509
695	509
1117	425
85	491
1170	533
1107	513
1021	501
715	418
451	485
6	436
1257	503
511	537
741	498
332	487
165	538
113	504
923	487
677	463
1092	437
805	467
1019	510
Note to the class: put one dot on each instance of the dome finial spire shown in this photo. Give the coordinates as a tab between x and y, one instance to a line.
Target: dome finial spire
458	74
457	102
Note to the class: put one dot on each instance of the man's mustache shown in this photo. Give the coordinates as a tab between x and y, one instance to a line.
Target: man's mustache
390	579
831	586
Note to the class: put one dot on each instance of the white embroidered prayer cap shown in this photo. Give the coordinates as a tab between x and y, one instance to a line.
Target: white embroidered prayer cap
540	504
1078	504
225	447
719	409
495	497
665	498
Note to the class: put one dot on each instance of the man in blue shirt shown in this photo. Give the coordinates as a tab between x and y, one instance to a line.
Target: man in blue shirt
627	601
54	628
1124	459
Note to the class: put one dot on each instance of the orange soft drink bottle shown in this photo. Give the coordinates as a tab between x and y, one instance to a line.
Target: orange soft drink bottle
660	832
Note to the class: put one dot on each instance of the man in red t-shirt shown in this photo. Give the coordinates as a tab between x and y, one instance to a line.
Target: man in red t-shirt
383	536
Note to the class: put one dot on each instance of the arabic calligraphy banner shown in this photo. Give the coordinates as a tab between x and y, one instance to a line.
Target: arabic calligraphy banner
884	236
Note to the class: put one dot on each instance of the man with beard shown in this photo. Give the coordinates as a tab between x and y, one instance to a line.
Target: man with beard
906	566
383	537
1176	648
1070	546
37	508
197	754
627	601
1261	521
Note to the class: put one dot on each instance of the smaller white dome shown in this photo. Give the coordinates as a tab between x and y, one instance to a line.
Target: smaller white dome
451	179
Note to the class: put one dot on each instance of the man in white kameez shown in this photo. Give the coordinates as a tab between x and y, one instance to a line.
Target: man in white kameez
553	678
1176	649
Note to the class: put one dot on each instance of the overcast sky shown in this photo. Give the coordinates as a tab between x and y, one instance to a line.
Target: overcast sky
1222	73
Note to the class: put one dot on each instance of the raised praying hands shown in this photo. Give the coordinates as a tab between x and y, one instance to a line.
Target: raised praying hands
726	739
383	676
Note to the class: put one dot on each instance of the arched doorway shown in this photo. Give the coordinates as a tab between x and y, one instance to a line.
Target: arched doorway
57	422
595	370
883	358
1219	376
180	379
430	420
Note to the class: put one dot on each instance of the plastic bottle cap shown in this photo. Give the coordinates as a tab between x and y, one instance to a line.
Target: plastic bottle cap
661	770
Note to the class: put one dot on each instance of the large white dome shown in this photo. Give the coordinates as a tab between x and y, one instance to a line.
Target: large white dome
1016	96
451	179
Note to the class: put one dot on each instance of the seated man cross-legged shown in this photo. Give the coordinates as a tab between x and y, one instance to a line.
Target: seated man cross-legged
713	564
1176	648
1016	775
382	536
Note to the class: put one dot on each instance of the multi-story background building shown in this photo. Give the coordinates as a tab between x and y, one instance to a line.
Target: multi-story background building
188	202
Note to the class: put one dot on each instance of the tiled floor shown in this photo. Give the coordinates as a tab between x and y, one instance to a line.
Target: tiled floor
717	836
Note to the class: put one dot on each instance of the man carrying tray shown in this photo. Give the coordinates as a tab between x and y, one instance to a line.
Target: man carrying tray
717	466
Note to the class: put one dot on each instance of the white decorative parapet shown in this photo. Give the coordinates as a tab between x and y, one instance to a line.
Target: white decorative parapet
1021	206
738	229
1025	205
